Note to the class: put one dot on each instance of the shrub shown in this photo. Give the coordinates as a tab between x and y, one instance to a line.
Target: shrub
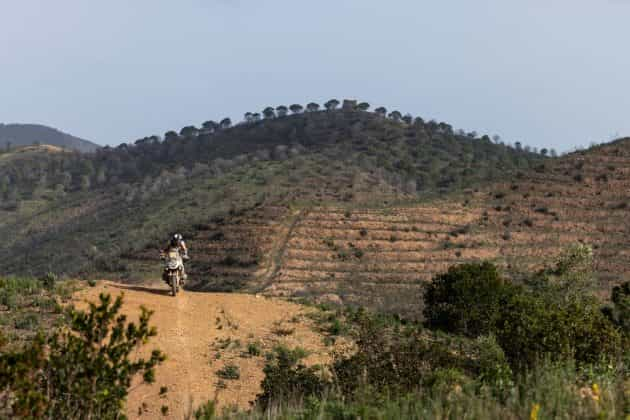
253	349
388	360
466	299
206	411
229	372
442	381
83	369
19	286
27	321
491	363
530	329
551	320
336	327
620	314
286	379
49	280
571	277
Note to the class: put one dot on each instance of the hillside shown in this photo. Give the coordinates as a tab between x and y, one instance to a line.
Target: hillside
303	204
380	255
17	135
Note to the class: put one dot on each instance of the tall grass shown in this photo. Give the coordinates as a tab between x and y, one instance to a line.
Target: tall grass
550	391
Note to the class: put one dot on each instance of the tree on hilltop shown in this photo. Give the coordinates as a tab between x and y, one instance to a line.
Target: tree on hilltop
269	112
395	115
363	106
282	111
189	131
312	107
171	136
331	105
210	126
296	108
225	123
381	110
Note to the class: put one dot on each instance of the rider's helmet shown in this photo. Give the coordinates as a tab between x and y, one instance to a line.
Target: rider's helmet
177	238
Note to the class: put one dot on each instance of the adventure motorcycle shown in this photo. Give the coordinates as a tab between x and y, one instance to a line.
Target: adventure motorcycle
173	270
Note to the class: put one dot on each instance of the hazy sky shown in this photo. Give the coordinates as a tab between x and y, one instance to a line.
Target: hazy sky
553	73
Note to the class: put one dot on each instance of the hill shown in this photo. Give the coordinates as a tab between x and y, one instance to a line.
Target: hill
17	135
292	204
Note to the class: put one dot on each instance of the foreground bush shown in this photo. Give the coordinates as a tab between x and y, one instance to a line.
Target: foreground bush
530	329
467	299
620	313
552	318
287	379
390	359
550	391
83	371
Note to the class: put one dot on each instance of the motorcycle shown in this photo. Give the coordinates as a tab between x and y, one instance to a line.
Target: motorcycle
173	269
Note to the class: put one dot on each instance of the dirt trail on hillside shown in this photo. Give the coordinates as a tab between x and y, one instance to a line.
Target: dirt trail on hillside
200	334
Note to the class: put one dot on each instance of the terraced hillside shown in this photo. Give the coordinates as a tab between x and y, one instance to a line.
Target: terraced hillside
381	257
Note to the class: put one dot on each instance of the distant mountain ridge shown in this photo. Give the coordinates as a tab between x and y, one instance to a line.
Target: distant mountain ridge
28	134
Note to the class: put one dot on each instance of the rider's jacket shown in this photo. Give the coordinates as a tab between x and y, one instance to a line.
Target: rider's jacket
181	247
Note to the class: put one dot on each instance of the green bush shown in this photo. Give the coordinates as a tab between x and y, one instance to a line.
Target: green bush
14	289
492	366
83	371
466	300
550	320
620	313
286	379
229	371
389	360
206	411
49	280
253	349
531	328
26	321
571	277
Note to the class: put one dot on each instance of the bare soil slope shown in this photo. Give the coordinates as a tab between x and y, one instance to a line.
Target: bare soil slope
201	333
380	257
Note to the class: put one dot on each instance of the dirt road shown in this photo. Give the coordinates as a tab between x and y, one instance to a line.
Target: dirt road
201	333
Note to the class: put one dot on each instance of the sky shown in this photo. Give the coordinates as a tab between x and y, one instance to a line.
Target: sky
547	73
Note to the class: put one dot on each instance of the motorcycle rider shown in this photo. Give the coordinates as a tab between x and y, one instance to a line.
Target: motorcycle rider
177	243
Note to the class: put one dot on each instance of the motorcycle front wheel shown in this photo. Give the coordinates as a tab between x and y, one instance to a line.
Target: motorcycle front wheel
175	285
